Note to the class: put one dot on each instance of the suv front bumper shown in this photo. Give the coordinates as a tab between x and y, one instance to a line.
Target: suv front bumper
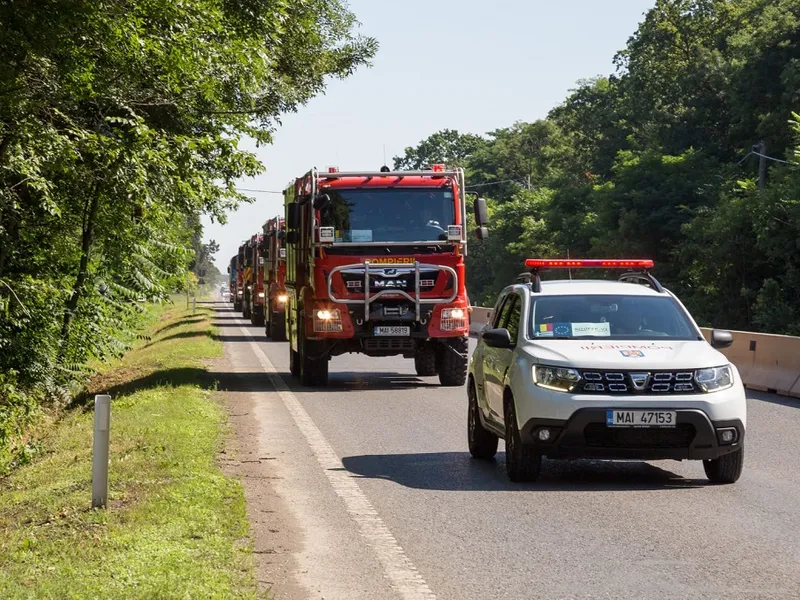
585	435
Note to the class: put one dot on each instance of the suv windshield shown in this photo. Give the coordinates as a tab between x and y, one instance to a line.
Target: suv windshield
390	214
612	316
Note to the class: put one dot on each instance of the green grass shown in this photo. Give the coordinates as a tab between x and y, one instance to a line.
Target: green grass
175	526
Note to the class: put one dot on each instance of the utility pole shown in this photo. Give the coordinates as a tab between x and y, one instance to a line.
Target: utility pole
762	165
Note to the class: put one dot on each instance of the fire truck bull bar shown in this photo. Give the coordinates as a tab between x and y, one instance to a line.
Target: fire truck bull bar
367	300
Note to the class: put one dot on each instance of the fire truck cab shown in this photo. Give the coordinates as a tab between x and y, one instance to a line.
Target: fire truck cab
254	281
375	265
274	277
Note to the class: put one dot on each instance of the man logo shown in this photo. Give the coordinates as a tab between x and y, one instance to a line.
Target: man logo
639	381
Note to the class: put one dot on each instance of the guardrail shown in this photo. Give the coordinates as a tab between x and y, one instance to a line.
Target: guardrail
766	362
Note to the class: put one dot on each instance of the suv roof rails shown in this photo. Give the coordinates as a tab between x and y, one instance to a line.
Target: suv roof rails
642	277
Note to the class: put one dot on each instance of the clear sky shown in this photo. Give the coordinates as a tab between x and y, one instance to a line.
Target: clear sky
469	65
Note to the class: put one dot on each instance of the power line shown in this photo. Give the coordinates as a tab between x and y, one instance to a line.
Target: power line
240	189
495	183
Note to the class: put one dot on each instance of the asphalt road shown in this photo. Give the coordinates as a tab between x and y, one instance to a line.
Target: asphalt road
387	502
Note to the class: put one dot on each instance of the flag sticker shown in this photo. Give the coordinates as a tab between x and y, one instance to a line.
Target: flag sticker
545	327
632	353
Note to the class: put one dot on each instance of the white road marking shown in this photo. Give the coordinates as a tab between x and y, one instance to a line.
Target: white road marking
402	573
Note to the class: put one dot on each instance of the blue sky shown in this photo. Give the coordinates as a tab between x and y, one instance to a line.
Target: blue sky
468	65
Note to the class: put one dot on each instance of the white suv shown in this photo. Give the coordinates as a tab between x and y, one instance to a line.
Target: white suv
602	369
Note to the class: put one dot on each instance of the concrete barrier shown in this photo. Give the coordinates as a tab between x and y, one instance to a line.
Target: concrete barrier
766	362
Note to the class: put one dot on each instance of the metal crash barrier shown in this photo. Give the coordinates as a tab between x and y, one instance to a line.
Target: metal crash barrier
400	269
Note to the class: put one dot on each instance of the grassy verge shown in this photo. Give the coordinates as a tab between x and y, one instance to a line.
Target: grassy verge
175	526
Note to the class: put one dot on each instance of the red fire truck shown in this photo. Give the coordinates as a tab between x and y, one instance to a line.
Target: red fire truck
232	278
238	303
254	281
274	277
375	265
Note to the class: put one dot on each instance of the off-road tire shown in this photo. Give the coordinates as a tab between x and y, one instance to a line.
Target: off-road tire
725	469
294	362
522	461
482	443
452	361
425	361
313	368
277	326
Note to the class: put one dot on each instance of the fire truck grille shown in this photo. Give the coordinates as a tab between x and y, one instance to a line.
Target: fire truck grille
389	344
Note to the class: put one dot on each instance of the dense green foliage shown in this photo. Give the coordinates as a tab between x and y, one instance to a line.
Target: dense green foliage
656	161
119	125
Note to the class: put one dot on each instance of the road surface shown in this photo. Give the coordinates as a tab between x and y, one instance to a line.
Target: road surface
365	489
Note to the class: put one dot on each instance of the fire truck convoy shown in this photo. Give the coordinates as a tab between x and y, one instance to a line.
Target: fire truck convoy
375	265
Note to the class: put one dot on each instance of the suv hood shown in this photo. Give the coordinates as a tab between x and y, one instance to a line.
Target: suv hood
625	355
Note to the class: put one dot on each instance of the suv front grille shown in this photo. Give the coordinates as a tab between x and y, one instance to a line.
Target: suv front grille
598	435
637	382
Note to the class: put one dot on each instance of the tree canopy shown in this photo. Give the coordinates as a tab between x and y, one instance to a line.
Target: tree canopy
119	124
661	160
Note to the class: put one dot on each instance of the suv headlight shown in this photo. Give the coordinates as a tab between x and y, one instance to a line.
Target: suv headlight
714	379
559	379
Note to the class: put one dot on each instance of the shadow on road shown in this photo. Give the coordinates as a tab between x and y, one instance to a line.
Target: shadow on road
458	471
753	395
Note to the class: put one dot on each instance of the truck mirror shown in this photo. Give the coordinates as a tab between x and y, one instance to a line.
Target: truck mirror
321	201
481	233
481	212
292	215
281	235
291	237
229	268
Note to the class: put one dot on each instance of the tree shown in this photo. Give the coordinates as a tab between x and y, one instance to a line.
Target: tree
446	146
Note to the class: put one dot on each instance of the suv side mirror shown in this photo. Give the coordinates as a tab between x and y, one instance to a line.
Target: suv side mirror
292	215
497	338
321	201
481	212
721	338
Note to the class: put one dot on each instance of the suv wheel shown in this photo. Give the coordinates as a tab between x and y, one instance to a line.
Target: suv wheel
522	461
482	443
725	469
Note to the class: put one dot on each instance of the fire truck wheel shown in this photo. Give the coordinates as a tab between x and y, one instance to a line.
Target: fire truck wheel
453	361
313	368
237	306
246	311
425	361
258	316
294	362
277	326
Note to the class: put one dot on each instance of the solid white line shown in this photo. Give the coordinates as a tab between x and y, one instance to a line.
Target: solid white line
402	573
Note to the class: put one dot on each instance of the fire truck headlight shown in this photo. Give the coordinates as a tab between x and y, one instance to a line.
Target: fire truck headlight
240	293
260	294
282	298
453	318
328	321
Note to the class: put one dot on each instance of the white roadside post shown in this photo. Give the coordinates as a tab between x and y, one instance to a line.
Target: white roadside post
102	424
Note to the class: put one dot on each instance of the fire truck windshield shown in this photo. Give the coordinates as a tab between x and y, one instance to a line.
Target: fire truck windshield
389	214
